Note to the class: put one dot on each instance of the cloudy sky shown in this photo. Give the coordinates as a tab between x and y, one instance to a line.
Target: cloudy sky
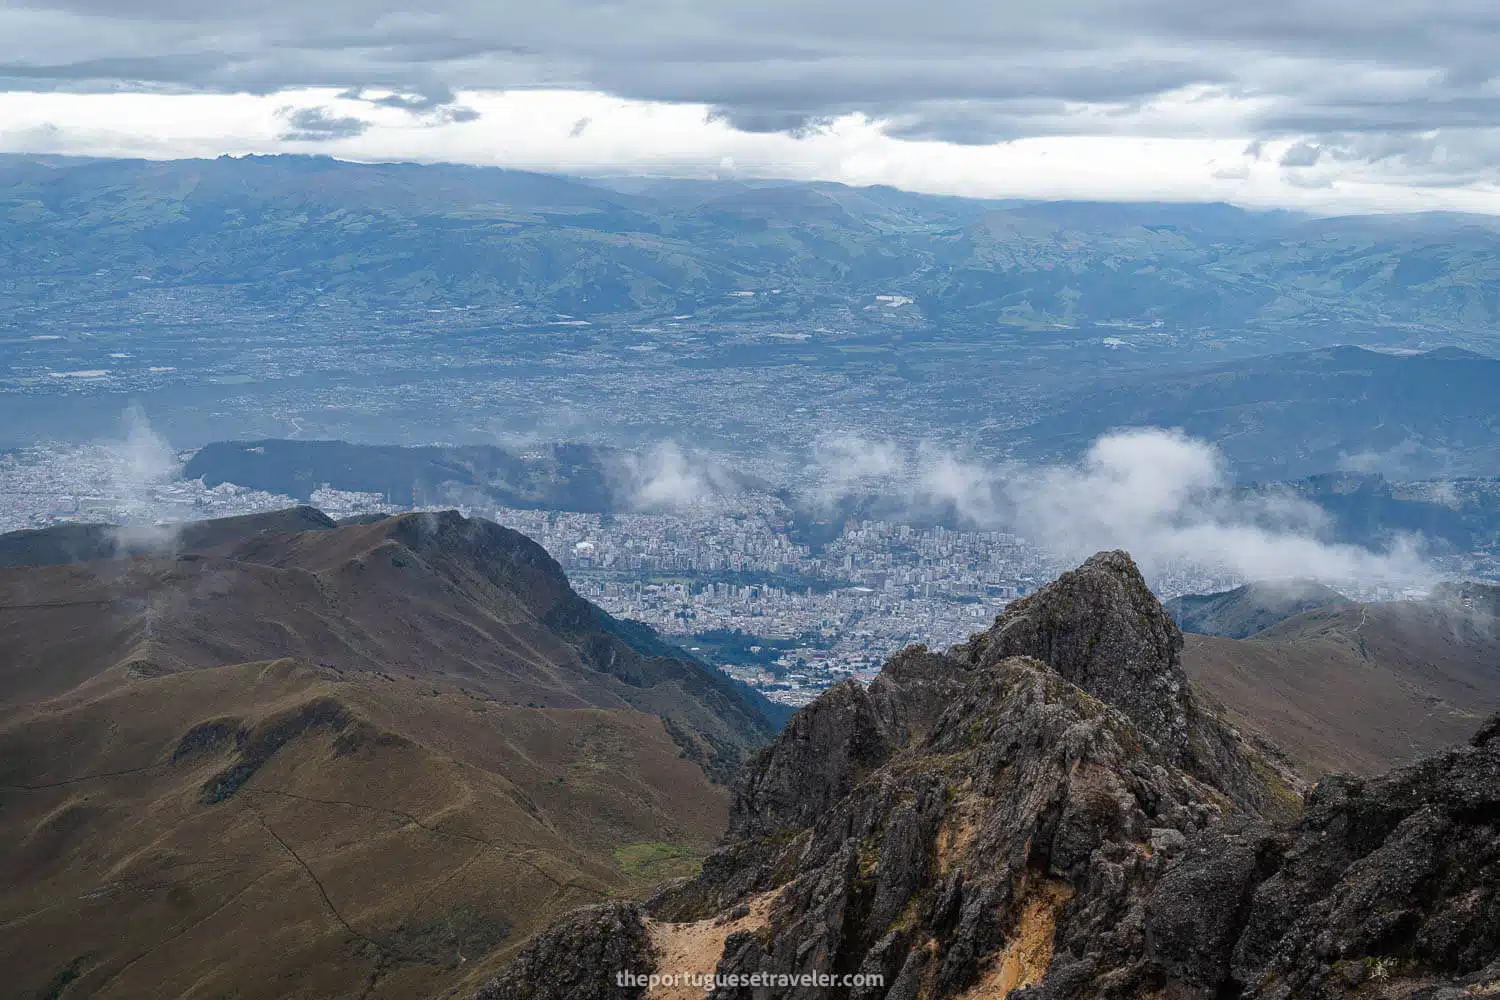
1331	105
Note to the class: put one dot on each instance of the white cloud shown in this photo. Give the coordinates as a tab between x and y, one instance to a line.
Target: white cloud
847	463
140	460
1402	96
138	464
666	477
1166	498
1192	145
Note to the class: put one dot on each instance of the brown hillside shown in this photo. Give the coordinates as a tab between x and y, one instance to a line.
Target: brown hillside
365	761
1354	687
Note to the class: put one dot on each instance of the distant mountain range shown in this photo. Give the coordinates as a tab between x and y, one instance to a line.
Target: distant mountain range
276	756
1454	515
309	232
1288	416
306	297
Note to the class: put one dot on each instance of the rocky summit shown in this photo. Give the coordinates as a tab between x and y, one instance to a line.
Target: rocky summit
1048	811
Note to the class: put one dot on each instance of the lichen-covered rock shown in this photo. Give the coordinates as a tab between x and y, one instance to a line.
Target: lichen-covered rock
1196	911
817	759
1028	805
913	690
1100	627
1394	880
579	957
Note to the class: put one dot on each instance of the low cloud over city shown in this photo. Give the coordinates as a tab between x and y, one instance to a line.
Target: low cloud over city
1168	498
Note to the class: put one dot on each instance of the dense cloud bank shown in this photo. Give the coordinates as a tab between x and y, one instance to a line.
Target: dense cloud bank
1404	87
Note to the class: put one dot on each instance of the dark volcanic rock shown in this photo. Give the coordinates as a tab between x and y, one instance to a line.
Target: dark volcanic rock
1100	627
1197	909
819	757
1391	879
1046	812
1029	805
579	957
817	760
912	691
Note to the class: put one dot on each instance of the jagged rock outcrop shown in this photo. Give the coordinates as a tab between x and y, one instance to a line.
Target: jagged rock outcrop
1391	883
822	754
1047	812
579	957
1102	628
1027	798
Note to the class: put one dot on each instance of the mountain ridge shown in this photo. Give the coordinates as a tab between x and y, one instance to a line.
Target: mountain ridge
1304	413
1027	265
1246	610
978	824
350	761
563	476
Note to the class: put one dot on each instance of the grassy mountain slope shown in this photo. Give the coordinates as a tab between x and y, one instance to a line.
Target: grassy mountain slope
1355	687
284	229
1243	611
355	761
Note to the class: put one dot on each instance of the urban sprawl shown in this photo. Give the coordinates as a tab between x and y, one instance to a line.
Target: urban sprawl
723	577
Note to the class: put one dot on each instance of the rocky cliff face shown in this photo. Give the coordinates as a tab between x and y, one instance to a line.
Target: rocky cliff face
1047	812
1387	887
579	956
1102	629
